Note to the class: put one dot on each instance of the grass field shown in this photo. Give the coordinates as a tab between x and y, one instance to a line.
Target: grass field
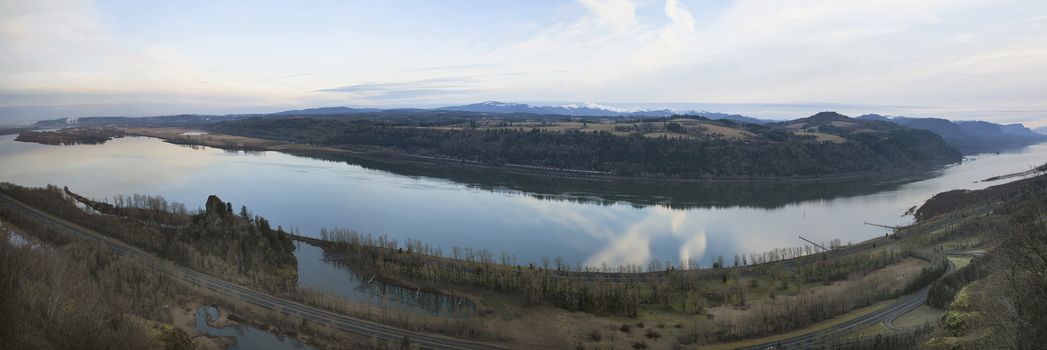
960	261
816	327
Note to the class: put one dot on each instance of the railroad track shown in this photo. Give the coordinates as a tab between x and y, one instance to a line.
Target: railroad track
248	295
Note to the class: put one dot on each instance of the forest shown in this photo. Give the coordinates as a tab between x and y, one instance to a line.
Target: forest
997	301
774	151
236	246
629	291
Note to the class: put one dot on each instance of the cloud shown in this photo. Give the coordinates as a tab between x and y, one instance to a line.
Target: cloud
693	249
680	15
452	67
432	84
434	89
620	14
883	53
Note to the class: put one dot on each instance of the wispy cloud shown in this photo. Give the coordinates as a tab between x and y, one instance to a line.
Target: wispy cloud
435	84
620	14
407	90
452	67
884	53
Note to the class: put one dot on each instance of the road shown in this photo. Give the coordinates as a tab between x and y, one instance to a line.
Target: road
260	299
885	315
889	322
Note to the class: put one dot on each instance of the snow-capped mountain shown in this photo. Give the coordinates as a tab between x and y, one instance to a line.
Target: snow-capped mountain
585	109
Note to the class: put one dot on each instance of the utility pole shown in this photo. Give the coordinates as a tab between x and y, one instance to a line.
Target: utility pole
815	244
884	226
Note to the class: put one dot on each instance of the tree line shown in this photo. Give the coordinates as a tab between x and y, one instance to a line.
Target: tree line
773	152
236	247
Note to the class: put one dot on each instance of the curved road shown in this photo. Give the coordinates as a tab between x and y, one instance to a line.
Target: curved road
263	300
886	315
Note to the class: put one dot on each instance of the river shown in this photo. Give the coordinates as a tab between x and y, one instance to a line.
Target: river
527	217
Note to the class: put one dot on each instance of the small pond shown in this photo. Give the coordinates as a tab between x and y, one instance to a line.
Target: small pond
247	337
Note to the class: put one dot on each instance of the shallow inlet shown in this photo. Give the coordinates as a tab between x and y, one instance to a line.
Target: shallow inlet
334	278
247	337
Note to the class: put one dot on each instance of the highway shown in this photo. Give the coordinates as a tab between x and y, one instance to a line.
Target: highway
885	315
247	295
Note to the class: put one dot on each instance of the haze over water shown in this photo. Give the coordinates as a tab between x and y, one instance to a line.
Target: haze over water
588	228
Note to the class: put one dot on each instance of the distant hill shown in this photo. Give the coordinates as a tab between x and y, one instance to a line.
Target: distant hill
1041	130
327	111
733	117
471	111
824	145
969	137
586	109
589	109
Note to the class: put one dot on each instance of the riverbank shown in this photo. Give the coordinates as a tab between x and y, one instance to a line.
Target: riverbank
319	316
183	136
515	297
1030	172
823	285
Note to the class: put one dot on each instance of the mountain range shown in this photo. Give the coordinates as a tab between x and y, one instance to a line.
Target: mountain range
969	137
585	109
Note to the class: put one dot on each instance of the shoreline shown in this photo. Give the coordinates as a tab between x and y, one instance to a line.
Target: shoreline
179	136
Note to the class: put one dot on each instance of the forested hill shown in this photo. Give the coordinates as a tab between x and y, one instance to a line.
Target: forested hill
827	144
970	137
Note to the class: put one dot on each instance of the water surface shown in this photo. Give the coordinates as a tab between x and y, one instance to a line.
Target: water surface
333	278
528	218
247	337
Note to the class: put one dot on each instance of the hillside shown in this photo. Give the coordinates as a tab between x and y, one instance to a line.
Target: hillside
997	300
681	147
969	137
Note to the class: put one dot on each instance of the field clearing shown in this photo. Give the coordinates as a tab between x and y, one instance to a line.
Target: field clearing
842	124
821	136
814	328
190	136
960	261
922	315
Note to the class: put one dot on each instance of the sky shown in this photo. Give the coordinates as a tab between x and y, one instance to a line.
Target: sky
959	59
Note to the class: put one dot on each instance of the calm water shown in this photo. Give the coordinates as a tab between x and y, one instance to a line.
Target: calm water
332	278
590	222
247	337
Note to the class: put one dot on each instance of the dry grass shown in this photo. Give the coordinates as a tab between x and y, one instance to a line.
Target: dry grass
816	327
844	125
922	315
897	275
821	136
179	135
960	261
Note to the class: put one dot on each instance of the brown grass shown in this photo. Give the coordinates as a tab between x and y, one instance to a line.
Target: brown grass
177	135
821	136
